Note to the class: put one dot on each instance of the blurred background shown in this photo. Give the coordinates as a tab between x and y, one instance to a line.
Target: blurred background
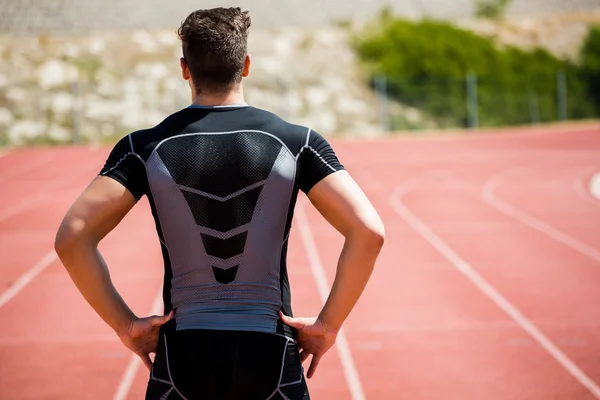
91	71
472	125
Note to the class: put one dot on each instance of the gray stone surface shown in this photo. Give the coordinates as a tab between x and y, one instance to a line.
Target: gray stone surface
110	84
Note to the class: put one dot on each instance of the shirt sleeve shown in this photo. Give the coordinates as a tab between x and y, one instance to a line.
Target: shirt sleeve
316	161
127	168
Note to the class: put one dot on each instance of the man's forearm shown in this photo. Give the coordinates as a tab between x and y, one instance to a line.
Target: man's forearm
90	274
355	266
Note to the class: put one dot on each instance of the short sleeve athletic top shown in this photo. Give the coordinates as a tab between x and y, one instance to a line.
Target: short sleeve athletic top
222	183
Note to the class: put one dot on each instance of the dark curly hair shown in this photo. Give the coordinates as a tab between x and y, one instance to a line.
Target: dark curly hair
215	44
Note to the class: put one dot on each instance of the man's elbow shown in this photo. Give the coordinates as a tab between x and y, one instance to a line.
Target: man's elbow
63	243
373	236
66	240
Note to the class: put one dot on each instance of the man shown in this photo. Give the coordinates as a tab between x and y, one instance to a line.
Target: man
222	179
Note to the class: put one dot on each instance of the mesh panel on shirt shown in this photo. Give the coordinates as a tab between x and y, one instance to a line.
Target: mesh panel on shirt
221	177
220	164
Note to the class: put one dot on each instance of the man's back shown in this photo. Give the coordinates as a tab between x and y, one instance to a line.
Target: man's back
222	179
222	183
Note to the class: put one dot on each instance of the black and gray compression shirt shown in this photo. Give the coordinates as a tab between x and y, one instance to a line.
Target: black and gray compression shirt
222	183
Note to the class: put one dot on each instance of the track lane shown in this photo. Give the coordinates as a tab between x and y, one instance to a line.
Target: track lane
50	324
32	210
403	160
50	308
452	342
426	351
49	169
22	162
552	285
493	294
545	198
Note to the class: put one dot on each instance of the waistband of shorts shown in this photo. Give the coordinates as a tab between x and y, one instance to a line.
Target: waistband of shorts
233	322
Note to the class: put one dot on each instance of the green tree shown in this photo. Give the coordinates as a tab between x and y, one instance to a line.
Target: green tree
426	63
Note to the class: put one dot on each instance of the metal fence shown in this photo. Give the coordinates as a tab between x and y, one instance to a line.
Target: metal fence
417	103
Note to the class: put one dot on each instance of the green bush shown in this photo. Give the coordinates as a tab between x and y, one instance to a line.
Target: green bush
590	64
426	64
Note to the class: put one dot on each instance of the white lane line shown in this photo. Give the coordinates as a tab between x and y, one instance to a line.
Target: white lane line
594	185
471	274
350	371
488	196
27	277
41	265
135	362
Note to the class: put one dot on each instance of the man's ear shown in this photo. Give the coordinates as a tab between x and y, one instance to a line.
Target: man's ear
185	69
247	63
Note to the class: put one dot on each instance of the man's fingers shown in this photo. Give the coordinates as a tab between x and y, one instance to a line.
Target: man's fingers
293	322
313	366
157	320
146	360
170	315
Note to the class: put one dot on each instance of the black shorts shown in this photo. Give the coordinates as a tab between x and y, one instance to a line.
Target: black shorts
226	365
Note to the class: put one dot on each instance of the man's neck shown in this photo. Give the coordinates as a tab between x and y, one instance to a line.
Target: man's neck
218	99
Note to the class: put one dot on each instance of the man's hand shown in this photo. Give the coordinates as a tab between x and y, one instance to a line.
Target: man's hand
314	337
142	336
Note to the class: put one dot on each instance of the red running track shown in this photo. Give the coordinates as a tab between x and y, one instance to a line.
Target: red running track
488	286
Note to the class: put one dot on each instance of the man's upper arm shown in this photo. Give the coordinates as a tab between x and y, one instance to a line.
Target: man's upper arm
97	211
344	205
332	190
109	197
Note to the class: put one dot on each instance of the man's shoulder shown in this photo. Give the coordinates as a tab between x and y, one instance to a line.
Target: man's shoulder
293	135
143	141
273	117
